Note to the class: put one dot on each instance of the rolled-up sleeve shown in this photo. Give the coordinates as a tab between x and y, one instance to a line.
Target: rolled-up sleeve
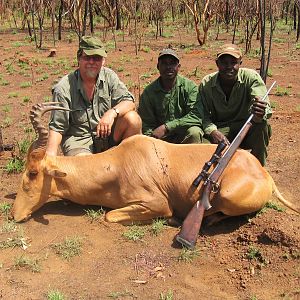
59	120
118	90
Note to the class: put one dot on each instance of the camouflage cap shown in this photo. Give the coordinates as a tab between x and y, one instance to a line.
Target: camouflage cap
92	46
168	51
230	49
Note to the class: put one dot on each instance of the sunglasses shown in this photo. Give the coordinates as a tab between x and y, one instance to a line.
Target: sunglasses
96	58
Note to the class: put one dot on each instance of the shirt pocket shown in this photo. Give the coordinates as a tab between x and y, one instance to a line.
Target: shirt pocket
102	105
79	116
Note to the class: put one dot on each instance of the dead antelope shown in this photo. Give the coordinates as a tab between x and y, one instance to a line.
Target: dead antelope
141	179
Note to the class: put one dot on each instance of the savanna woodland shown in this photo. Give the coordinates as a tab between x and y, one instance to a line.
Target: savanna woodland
68	251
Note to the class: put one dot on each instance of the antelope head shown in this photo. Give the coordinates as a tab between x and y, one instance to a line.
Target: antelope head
35	185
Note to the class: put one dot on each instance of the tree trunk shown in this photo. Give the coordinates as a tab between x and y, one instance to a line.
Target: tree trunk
262	9
118	16
60	11
91	16
85	14
33	24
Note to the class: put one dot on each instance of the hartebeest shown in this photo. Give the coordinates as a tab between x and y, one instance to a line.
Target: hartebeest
141	179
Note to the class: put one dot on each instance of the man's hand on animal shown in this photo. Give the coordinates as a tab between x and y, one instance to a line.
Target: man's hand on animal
258	109
218	137
160	132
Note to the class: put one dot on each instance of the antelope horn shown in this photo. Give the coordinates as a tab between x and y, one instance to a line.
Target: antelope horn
36	113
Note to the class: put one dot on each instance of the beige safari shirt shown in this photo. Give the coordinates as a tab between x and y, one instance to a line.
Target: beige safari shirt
76	125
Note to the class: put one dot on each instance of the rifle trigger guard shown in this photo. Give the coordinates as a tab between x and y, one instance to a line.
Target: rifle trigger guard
215	187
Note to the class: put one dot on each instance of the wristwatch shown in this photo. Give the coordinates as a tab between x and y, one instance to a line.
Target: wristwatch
116	111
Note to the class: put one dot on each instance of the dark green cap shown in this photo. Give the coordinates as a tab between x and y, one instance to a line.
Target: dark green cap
92	46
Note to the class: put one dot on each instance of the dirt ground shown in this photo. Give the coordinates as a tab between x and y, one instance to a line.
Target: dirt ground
112	267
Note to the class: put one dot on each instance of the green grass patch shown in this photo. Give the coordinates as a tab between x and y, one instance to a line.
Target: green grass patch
271	205
157	227
69	248
25	84
43	77
17	241
278	40
10	69
270	73
7	108
47	99
15	165
13	95
27	263
145	76
188	255
24	145
274	104
255	254
4	82
145	49
26	99
7	122
5	208
166	295
120	69
8	226
134	233
55	295
18	44
94	215
281	91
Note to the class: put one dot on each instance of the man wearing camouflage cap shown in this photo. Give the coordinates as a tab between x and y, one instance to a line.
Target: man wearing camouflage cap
167	104
228	97
102	109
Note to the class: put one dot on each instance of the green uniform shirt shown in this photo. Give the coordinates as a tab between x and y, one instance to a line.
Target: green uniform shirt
74	126
174	108
220	112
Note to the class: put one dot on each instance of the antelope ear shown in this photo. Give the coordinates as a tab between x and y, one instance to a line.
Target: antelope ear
55	173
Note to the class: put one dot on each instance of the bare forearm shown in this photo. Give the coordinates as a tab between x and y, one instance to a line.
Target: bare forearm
125	106
54	141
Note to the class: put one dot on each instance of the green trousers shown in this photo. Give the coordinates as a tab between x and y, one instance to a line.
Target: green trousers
190	135
256	140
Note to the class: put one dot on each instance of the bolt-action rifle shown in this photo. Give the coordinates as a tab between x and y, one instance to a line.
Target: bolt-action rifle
192	223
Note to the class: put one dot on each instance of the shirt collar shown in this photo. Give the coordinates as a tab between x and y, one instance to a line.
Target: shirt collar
158	86
216	82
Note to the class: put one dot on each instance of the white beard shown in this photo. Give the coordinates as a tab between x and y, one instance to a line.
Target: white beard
92	74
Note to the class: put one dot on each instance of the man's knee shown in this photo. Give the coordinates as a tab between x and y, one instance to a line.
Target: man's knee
258	140
194	134
132	120
127	125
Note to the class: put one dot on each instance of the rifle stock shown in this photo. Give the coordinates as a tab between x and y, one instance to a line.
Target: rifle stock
192	223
